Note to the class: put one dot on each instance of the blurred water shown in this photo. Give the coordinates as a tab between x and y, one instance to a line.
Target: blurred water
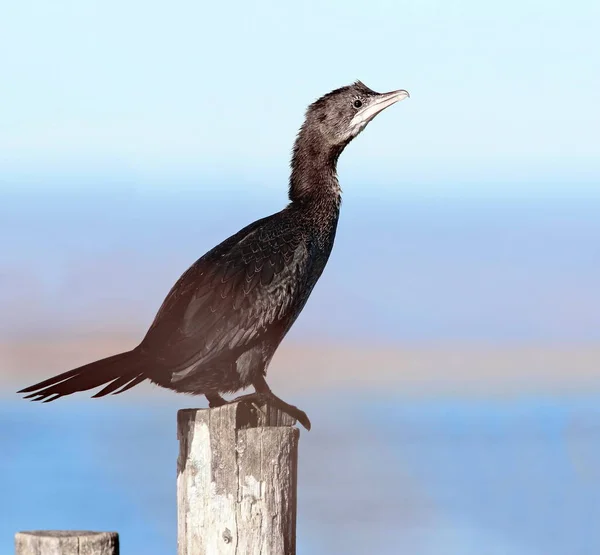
383	475
388	476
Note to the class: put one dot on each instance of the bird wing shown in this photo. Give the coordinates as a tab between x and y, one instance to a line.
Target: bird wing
231	297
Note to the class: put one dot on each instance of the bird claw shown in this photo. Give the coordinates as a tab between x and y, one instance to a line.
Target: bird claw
258	408
255	398
302	417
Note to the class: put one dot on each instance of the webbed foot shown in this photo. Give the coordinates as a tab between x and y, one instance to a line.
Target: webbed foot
272	399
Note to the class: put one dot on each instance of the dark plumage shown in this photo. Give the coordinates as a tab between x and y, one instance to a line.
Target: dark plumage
221	323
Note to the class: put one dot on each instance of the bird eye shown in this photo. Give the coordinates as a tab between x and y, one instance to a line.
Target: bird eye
357	103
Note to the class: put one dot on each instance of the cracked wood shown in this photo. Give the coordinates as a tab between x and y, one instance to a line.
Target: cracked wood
236	481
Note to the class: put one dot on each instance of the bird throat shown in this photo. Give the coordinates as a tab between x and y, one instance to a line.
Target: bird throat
313	177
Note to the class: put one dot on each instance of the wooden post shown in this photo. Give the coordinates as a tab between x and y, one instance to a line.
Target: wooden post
236	481
60	542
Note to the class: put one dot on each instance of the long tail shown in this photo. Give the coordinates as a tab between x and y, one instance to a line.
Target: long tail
121	372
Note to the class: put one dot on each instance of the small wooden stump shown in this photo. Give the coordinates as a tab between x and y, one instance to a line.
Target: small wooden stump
236	481
60	542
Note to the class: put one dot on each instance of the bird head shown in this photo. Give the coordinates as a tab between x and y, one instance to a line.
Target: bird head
342	114
331	123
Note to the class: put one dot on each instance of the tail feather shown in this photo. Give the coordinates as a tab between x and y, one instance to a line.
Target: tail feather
131	384
119	371
124	382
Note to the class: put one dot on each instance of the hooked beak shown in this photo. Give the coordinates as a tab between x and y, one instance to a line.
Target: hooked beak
379	103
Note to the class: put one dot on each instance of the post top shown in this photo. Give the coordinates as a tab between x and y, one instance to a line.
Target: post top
63	533
243	415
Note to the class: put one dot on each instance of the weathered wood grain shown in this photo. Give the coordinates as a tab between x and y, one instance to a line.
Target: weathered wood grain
62	542
236	482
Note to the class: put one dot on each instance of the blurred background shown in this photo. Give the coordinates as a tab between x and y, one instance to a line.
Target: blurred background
449	357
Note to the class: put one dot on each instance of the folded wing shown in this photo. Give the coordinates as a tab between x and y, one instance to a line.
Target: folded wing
234	296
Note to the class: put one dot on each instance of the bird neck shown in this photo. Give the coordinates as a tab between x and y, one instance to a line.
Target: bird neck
314	175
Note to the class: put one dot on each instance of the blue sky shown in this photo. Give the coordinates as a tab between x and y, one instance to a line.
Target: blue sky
503	94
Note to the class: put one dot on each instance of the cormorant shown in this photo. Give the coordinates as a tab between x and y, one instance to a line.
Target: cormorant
222	321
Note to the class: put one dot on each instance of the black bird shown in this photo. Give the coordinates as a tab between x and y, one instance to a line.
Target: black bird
221	323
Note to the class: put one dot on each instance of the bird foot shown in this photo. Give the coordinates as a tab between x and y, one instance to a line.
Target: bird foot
215	400
261	398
